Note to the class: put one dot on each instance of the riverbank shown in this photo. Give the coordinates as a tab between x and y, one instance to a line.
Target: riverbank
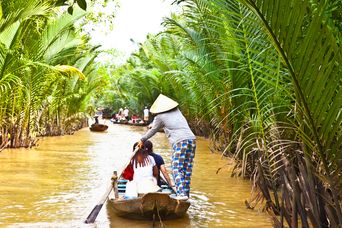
13	138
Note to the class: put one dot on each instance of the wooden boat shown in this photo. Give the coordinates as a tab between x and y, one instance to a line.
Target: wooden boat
137	124
114	121
152	205
98	127
128	123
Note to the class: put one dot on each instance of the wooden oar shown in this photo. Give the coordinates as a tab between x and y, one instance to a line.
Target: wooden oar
93	214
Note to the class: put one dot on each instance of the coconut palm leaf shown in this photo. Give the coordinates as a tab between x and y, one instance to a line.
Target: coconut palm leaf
309	45
23	10
7	36
57	37
267	86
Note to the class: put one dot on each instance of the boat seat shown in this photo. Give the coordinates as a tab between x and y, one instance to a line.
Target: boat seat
164	188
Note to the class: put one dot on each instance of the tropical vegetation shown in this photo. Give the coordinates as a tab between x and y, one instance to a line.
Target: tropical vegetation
263	80
47	72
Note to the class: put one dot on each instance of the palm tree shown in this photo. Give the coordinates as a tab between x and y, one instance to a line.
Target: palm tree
265	75
39	75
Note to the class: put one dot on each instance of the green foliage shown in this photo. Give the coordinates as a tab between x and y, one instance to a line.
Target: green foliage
265	77
81	3
47	72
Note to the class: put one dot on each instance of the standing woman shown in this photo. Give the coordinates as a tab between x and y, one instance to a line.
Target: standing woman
181	138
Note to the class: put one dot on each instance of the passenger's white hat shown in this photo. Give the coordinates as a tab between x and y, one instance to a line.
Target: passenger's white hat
163	104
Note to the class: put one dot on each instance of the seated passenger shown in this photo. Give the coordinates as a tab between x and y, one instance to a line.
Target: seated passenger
134	118
148	147
145	173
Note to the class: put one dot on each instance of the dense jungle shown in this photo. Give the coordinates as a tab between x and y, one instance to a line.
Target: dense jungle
260	79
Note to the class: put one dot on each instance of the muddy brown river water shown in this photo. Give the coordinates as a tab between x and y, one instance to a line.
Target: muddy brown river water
58	183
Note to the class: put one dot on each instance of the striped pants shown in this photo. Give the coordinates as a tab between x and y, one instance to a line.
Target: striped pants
182	159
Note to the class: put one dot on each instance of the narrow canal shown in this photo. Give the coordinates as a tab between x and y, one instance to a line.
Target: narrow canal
58	183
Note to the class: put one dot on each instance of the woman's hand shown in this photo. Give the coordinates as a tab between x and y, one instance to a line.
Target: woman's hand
140	144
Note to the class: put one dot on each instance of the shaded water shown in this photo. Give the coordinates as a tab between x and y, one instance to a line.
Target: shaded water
59	182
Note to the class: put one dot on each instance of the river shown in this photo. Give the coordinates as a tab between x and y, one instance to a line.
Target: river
58	183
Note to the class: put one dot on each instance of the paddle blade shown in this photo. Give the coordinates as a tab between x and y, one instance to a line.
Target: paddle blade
93	214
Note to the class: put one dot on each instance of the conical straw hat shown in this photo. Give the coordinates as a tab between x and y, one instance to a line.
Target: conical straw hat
163	104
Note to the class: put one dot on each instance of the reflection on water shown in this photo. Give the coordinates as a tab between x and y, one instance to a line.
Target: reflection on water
58	183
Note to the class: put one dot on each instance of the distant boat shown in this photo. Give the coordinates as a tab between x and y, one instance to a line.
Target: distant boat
137	124
98	127
125	122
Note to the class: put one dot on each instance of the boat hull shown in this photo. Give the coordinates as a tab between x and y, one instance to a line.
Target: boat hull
151	205
129	123
98	127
